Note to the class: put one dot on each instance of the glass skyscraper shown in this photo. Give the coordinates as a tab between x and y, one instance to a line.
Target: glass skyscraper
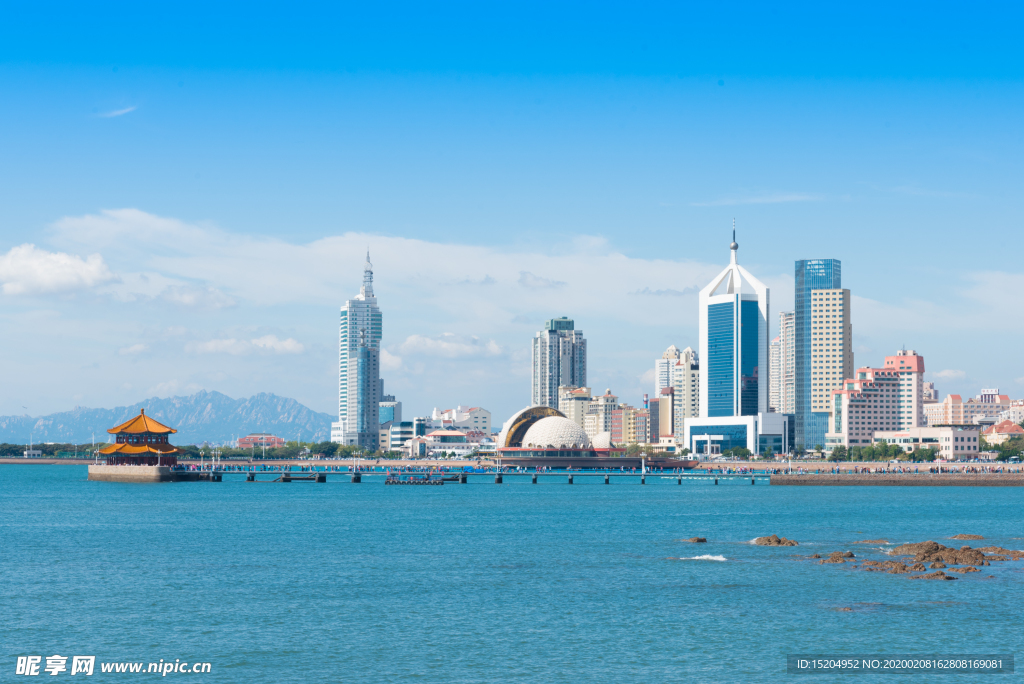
811	274
734	333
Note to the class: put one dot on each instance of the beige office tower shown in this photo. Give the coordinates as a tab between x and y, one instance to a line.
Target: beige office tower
787	356
686	390
831	346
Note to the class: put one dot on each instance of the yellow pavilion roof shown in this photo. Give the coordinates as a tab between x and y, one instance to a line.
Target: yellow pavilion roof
135	449
141	423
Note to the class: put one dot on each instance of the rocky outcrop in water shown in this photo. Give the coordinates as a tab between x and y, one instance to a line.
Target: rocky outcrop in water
938	575
966	537
891	567
937	565
774	540
698	540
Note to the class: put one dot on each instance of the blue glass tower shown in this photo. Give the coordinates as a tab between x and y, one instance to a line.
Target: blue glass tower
734	335
811	274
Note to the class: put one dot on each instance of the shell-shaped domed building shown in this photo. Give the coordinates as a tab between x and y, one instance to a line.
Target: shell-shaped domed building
541	432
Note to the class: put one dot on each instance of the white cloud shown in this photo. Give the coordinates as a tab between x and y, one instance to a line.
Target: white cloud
949	374
132	350
389	361
26	269
450	345
172	387
647	379
236	347
271	343
117	112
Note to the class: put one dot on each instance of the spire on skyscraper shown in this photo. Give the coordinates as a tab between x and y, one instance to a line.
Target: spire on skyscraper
367	288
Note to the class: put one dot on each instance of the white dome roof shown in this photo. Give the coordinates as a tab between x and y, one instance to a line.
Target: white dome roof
603	440
555	432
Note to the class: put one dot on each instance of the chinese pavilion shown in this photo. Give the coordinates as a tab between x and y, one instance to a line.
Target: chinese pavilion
141	441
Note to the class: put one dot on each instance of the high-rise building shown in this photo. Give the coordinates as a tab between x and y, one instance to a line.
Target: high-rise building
598	418
953	410
663	368
775	376
686	383
559	360
910	366
359	382
831	353
787	353
733	311
929	393
810	275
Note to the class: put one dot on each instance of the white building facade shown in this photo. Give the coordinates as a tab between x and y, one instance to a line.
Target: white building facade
359	383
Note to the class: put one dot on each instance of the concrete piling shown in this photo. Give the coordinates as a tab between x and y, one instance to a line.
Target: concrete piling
497	478
570	479
356	477
535	478
607	479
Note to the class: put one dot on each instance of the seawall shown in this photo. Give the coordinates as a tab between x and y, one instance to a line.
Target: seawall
903	480
130	473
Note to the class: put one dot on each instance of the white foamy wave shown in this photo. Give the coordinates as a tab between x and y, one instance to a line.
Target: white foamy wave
753	541
706	557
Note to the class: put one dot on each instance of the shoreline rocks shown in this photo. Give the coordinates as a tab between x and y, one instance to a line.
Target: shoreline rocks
966	537
697	540
937	575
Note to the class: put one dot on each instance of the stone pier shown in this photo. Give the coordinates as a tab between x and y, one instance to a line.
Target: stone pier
903	480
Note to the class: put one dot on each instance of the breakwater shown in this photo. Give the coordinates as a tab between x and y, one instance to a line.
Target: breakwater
959	479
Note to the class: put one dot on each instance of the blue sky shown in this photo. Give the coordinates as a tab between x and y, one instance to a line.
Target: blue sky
200	185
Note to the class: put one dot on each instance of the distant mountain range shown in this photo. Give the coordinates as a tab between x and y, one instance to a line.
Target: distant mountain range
205	416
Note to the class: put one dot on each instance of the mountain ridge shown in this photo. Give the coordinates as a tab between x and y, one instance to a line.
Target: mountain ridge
201	417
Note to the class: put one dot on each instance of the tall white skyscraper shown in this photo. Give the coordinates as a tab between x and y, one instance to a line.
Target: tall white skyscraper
775	375
686	382
663	368
359	383
787	359
559	360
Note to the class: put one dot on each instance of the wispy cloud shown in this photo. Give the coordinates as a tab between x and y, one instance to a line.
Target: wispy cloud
527	279
450	345
779	198
950	374
692	289
236	347
132	350
117	112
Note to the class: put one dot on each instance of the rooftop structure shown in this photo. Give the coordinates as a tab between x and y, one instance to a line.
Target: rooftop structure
141	441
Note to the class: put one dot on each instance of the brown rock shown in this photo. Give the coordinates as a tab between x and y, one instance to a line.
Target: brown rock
966	568
966	536
848	554
937	564
698	540
937	575
834	557
816	555
918	567
892	567
914	549
774	540
845	609
872	541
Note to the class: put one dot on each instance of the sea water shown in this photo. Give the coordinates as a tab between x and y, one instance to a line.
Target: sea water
342	582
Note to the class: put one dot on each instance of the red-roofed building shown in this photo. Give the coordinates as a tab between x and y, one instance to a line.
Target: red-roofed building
1000	432
259	440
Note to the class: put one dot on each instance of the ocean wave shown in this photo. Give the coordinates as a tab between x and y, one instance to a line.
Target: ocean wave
706	557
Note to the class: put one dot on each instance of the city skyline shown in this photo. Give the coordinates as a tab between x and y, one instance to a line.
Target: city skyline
183	213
